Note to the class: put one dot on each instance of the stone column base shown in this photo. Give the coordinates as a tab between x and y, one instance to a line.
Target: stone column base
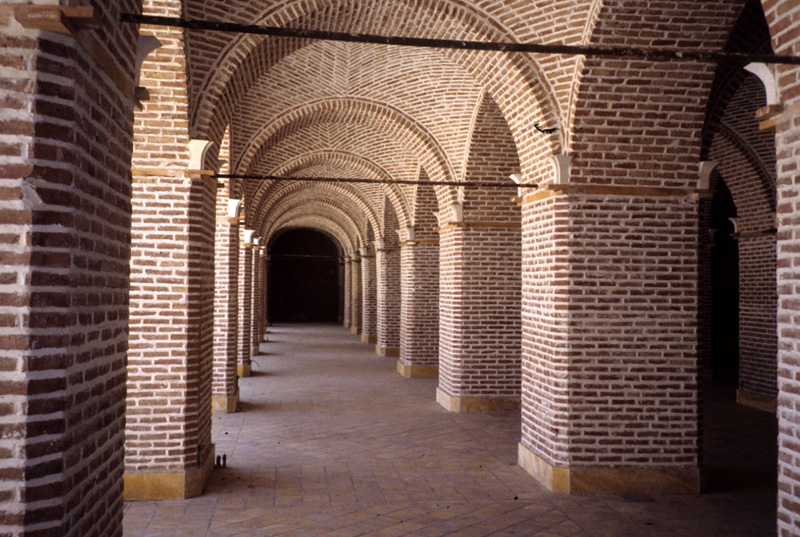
387	351
757	401
477	405
368	339
355	329
610	480
417	371
243	370
174	486
224	405
347	324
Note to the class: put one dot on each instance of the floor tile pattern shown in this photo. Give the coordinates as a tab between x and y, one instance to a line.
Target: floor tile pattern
332	442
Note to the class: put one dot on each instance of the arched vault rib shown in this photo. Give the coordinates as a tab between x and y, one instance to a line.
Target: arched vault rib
382	118
320	212
346	199
345	243
767	189
362	166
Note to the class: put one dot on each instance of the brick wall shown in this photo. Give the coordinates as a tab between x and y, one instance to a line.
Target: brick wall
782	17
65	219
168	421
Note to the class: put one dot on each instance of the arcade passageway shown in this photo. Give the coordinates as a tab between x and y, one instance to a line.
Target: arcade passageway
331	442
552	245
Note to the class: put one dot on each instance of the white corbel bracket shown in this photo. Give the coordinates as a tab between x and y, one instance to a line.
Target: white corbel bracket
198	149
707	167
561	166
248	237
234	206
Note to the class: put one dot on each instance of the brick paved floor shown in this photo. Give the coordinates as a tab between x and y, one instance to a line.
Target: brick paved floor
332	442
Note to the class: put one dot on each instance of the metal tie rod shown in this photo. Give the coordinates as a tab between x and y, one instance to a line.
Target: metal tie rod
593	51
374	182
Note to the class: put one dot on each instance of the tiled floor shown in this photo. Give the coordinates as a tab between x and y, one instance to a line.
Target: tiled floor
332	442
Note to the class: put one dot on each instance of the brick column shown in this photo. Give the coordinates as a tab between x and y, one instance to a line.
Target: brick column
419	316
347	298
355	295
64	249
369	297
245	301
225	386
168	449
610	369
342	294
782	16
266	260
256	332
479	305
388	297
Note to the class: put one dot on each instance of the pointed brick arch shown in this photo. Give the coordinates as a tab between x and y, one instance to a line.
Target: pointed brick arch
362	166
382	118
327	222
314	195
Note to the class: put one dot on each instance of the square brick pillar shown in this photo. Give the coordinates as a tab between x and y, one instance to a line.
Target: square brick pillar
341	300
419	316
257	319
369	297
245	301
610	367
479	319
388	299
347	268
65	251
225	386
355	295
168	449
782	16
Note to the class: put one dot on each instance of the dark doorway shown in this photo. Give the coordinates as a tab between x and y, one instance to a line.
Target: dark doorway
303	283
724	287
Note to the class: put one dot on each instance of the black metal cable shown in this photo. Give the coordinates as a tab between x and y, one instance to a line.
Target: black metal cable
612	52
373	181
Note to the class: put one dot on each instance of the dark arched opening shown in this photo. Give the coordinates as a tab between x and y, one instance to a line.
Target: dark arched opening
724	287
304	279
